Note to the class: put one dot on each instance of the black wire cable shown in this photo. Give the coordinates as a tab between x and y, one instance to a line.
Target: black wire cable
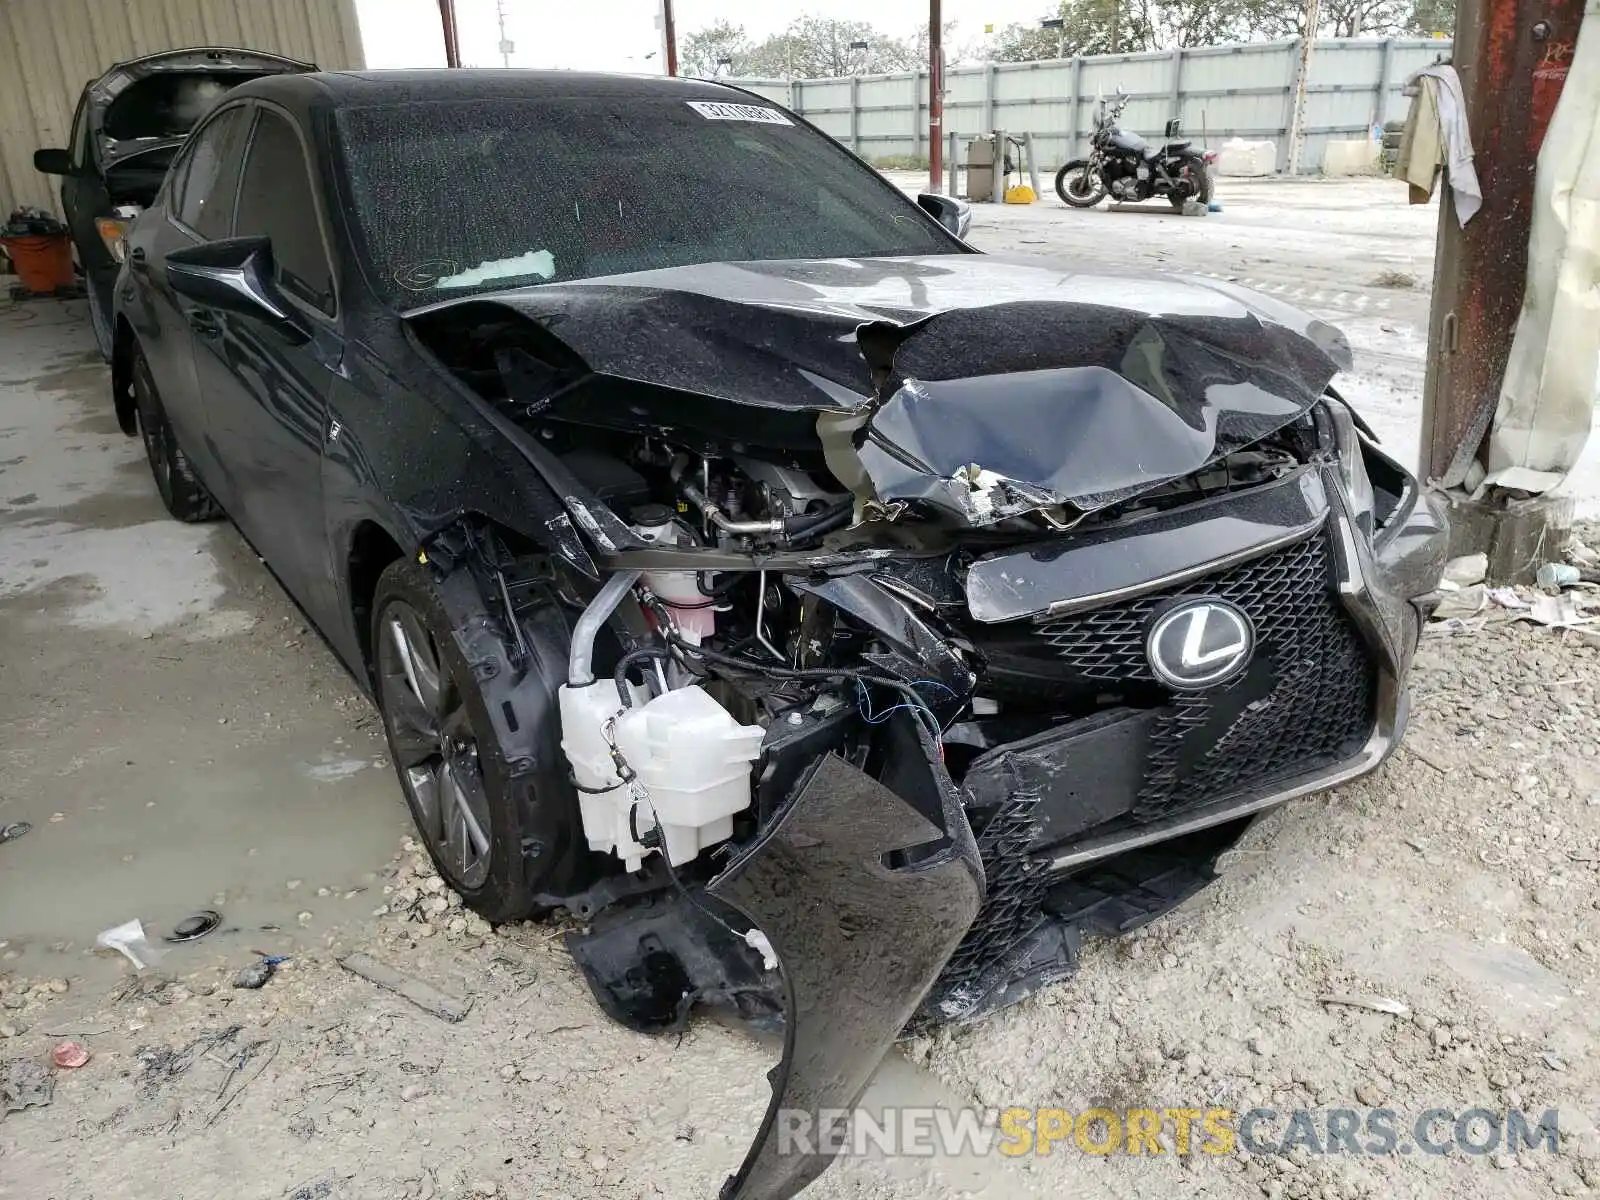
813	524
825	674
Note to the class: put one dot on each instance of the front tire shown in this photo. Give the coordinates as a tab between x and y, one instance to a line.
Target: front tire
181	491
446	752
1079	185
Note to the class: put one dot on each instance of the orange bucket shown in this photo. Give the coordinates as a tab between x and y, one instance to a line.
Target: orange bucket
43	260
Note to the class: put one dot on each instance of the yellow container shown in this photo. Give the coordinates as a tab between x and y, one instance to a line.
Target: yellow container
1021	194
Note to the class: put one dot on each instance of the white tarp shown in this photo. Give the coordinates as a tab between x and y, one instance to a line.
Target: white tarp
1552	380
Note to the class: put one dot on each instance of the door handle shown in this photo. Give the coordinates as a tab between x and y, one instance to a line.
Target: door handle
204	324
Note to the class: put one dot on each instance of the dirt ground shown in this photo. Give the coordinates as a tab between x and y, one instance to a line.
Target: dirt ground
180	741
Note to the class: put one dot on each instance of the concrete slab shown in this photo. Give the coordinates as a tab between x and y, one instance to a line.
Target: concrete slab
176	735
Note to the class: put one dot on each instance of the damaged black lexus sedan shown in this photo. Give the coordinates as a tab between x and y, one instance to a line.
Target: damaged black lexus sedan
840	623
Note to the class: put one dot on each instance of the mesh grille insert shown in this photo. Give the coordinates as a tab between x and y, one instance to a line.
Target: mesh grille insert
1308	698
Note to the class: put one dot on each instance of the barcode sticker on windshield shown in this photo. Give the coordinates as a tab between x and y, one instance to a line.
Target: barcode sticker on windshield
715	110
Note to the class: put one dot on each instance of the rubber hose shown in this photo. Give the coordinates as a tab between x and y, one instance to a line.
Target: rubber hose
628	662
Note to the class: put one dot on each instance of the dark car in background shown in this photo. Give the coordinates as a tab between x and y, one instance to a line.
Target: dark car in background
126	129
836	621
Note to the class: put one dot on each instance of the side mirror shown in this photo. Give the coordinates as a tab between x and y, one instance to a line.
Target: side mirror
52	162
955	215
236	275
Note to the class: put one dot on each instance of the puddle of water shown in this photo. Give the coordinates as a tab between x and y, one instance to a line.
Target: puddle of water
111	842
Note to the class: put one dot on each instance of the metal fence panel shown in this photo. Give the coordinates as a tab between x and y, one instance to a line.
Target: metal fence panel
1219	92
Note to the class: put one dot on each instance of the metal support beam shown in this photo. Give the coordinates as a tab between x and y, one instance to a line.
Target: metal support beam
953	163
916	113
855	114
1073	105
991	86
1380	103
1177	82
997	171
1033	164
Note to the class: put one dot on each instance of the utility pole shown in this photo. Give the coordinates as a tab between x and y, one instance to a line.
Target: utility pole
1302	76
452	46
1512	57
935	97
505	44
669	32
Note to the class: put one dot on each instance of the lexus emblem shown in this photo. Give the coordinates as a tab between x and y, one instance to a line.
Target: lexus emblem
1199	644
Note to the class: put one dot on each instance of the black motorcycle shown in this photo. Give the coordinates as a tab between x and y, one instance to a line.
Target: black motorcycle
1124	166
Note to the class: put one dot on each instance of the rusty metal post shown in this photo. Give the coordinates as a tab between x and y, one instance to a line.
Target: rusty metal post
935	96
1513	57
452	44
669	34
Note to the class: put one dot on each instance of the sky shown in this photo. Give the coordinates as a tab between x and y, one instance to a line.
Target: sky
622	35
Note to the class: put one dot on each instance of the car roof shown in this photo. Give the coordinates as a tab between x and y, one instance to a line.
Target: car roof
399	87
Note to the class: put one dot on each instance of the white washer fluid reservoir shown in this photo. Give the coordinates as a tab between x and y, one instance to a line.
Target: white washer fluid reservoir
692	760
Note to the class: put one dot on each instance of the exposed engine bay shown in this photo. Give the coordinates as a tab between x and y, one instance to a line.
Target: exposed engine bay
888	682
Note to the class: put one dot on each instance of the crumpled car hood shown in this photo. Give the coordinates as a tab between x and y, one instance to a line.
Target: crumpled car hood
981	384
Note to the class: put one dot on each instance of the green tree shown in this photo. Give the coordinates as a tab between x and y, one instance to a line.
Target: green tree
918	44
1088	27
703	50
823	48
1339	18
1430	17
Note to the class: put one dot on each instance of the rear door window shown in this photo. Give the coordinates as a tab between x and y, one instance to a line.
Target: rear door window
276	198
208	178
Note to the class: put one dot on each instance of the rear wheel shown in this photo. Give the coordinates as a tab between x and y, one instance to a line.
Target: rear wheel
181	490
1079	184
1197	172
445	750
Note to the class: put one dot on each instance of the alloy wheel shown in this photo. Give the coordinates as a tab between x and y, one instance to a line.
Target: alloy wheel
435	747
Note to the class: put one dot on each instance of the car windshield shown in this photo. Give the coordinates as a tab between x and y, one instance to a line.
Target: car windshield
454	197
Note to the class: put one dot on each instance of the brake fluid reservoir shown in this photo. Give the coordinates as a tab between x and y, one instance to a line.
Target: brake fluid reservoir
694	761
691	609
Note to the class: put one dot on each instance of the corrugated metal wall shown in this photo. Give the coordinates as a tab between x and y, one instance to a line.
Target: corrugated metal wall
50	48
1220	92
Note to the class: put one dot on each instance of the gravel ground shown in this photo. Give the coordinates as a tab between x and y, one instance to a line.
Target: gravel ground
1459	881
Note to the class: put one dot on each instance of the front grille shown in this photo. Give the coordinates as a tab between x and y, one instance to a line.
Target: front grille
1307	700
